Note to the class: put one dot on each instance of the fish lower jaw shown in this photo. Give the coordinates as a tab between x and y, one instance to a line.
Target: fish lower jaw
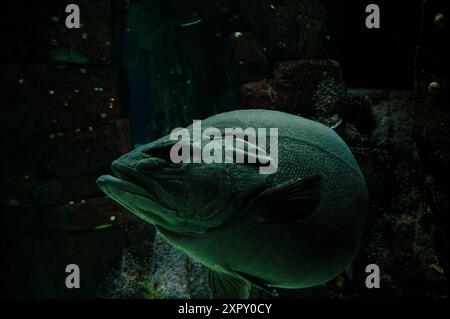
121	184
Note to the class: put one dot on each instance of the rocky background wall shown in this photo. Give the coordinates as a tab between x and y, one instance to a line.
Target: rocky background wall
69	108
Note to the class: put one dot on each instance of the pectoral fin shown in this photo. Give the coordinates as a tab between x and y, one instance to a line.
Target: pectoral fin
290	201
224	286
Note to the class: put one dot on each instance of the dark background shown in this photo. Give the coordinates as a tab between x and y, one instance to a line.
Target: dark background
74	100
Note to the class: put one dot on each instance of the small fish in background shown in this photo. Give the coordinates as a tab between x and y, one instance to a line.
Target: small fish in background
297	228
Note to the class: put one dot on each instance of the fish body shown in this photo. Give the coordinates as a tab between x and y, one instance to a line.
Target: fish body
299	227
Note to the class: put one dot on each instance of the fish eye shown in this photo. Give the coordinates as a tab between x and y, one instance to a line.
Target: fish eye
158	152
162	152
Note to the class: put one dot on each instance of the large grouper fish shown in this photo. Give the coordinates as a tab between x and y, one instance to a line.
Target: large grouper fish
299	227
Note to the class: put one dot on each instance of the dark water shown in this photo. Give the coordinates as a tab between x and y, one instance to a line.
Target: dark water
138	66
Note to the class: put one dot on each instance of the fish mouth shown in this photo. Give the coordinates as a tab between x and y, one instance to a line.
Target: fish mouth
124	179
127	188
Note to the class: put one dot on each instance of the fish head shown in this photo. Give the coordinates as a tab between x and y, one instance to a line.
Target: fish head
185	197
